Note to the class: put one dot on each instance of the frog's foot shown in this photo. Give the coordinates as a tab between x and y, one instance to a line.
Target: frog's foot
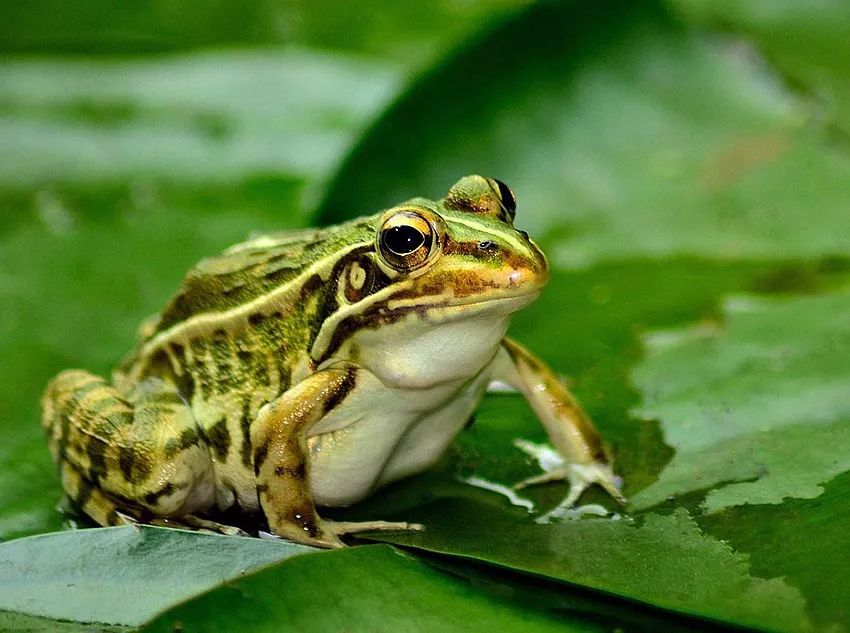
199	524
580	478
355	527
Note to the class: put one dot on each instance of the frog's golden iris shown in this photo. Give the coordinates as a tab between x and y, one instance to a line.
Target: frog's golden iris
308	368
407	240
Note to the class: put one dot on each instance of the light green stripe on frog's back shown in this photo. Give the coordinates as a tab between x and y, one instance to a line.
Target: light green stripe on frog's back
258	268
171	342
238	318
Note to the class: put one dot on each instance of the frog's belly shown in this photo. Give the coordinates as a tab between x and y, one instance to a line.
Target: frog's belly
383	434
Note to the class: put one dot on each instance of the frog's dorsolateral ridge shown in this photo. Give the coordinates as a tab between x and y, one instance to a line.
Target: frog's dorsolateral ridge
308	368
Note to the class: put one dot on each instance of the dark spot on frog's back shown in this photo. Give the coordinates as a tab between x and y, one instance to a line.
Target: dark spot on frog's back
188	438
310	286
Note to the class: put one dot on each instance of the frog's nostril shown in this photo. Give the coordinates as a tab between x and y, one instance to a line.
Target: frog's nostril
486	245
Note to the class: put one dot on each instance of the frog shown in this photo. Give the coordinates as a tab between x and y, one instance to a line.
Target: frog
306	369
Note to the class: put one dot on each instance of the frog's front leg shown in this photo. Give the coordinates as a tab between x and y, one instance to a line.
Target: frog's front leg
281	461
570	430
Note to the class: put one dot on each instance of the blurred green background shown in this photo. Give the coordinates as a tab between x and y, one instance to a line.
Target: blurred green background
685	165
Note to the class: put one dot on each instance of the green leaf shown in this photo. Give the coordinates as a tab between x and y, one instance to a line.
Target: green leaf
742	401
198	118
406	32
804	541
122	576
807	42
624	134
373	588
666	561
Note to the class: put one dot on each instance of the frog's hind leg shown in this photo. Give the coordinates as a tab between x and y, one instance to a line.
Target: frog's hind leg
138	455
90	500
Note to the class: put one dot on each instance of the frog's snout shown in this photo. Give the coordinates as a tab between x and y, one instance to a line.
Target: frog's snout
530	270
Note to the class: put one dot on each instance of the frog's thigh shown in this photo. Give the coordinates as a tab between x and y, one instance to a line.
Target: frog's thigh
137	453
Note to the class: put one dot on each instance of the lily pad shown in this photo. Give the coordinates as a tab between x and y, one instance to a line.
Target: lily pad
742	401
406	33
665	561
375	588
805	41
194	118
804	541
122	576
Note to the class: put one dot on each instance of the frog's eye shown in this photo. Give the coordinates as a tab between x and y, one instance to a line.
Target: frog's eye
406	240
506	197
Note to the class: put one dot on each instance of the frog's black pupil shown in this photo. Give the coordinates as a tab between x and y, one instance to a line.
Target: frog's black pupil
507	197
403	240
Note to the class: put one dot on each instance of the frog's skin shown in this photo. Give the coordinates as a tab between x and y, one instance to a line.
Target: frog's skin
308	368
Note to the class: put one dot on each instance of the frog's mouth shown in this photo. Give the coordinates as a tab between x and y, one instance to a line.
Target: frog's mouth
438	310
456	308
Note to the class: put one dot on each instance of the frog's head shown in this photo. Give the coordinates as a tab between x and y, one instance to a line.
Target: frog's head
461	254
440	281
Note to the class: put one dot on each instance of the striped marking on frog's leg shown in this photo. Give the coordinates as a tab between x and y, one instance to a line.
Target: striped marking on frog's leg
280	455
92	501
142	451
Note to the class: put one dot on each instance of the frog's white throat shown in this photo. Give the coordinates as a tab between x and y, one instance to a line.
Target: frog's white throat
428	354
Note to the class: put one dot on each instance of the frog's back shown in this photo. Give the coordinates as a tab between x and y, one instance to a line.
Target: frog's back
249	272
253	306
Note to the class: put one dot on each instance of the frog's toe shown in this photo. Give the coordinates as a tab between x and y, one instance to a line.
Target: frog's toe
355	527
557	474
326	538
580	478
200	524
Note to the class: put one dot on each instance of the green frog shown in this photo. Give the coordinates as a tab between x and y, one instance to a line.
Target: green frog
306	369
